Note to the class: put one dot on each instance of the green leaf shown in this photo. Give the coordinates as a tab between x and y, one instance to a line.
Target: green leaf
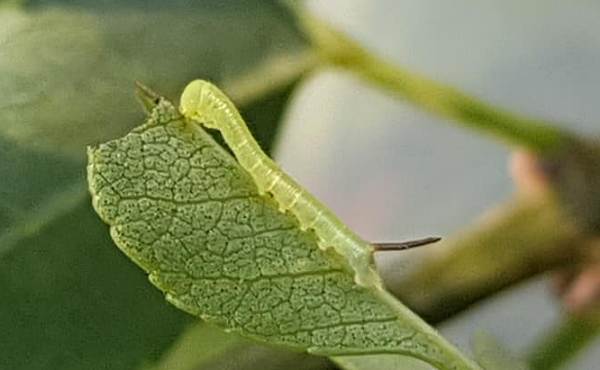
183	209
69	299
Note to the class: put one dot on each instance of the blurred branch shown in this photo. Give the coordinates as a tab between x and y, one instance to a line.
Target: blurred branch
339	50
519	240
572	162
564	342
273	74
574	173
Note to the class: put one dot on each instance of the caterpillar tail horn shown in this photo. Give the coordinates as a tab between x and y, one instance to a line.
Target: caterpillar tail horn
400	246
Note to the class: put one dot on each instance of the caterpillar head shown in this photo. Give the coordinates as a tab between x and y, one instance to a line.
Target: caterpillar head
197	103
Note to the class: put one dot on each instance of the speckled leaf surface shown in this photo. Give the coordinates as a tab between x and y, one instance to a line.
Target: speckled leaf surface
186	212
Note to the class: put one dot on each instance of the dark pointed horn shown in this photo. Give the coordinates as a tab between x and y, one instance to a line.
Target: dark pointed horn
405	245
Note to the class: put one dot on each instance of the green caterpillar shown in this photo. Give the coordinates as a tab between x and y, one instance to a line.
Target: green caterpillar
205	104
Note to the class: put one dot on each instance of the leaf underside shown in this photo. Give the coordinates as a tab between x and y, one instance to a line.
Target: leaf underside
183	209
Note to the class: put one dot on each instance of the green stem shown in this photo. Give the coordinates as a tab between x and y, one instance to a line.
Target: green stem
518	240
564	342
339	50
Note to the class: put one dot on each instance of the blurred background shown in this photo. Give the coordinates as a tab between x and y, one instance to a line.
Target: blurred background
70	300
393	172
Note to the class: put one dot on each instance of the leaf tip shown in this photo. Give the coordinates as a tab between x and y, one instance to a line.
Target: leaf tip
147	97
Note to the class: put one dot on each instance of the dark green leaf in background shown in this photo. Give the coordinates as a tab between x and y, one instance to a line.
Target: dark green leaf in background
67	73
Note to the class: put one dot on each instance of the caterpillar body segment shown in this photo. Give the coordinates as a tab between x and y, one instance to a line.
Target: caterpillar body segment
205	104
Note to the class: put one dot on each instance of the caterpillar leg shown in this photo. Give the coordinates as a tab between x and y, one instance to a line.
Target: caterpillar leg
364	274
259	172
287	194
359	259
